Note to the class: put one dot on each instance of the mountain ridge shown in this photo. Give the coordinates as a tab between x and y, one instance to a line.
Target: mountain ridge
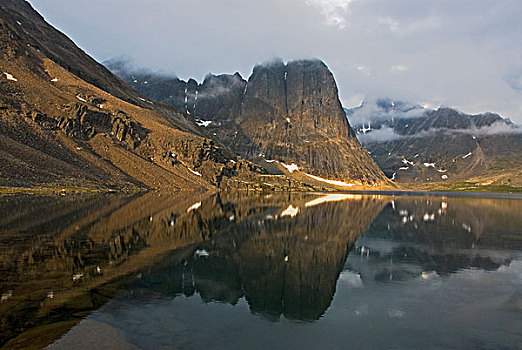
413	144
59	131
68	124
287	112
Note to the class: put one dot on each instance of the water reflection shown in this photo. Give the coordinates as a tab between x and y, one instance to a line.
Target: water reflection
425	237
282	264
299	256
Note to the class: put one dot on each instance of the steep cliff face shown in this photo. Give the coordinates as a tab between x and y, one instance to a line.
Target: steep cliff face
292	113
289	113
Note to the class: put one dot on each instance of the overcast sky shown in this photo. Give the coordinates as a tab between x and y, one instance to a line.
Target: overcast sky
461	53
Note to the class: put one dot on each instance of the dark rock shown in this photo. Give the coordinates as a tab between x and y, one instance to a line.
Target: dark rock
287	112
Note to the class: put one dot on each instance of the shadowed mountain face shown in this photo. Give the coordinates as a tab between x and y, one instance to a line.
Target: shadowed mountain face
424	145
286	112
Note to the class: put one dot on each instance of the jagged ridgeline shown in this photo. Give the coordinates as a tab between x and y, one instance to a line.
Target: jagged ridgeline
288	113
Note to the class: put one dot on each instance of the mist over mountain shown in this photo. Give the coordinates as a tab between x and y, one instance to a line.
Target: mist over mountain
386	119
412	143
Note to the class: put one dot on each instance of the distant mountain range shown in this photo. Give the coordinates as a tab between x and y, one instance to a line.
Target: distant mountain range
415	144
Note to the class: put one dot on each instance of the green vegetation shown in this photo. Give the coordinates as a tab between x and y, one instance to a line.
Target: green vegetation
477	187
4	190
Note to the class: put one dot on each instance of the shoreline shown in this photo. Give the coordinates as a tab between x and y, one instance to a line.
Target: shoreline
63	191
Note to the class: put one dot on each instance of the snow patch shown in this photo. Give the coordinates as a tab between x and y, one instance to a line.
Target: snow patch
332	182
194	172
291	168
364	129
201	253
203	123
80	98
194	207
77	276
54	80
290	211
6	296
467	155
10	77
429	165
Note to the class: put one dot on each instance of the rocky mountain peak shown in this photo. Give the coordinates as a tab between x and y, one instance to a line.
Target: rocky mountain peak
289	112
303	91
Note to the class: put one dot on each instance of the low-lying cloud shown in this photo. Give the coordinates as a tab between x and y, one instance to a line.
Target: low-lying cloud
387	134
371	111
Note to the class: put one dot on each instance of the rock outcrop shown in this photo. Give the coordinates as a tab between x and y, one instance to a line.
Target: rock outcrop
285	112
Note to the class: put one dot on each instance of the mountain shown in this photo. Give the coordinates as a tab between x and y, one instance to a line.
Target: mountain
286	115
413	144
68	123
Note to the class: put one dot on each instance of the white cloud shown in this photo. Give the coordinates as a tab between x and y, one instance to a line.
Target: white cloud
456	54
334	11
353	101
399	68
364	70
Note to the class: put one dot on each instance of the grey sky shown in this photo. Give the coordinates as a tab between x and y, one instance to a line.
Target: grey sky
461	53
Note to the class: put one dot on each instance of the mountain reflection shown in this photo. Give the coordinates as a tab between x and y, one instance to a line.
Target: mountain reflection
61	258
282	264
427	237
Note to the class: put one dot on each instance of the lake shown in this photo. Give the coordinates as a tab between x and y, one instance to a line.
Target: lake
260	271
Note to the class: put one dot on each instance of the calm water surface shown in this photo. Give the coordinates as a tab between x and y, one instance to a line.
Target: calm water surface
277	271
